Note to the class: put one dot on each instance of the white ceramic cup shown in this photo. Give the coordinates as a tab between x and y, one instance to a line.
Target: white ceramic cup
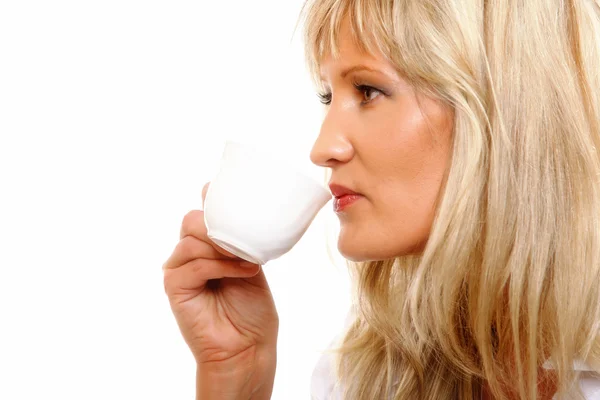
257	207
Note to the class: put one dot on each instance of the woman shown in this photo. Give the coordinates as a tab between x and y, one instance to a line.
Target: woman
470	130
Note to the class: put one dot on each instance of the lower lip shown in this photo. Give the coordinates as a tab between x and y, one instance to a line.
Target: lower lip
341	203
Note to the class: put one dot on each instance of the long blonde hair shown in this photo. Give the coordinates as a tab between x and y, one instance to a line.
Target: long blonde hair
510	276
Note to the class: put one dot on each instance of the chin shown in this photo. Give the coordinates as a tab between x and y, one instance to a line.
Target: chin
355	257
362	251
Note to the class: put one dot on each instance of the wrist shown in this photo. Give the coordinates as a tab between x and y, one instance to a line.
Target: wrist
244	377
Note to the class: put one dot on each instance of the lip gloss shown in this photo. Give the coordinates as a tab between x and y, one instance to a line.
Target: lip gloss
342	202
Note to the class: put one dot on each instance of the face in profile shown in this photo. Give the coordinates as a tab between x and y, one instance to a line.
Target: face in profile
385	143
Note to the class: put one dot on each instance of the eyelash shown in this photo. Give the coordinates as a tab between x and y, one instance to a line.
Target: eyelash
325	98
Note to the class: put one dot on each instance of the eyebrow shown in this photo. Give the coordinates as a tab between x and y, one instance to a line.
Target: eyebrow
356	68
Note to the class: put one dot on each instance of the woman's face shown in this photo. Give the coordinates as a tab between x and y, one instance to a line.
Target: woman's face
383	143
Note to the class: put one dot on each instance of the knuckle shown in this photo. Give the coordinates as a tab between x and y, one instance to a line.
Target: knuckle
198	267
191	219
187	247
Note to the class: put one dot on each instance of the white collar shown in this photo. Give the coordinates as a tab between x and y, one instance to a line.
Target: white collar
578	365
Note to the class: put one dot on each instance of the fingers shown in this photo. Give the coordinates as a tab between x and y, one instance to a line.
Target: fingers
194	274
190	248
193	225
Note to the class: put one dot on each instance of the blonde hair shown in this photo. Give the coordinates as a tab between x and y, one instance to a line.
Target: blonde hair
510	276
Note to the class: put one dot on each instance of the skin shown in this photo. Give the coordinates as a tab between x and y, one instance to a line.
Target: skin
225	312
386	143
391	145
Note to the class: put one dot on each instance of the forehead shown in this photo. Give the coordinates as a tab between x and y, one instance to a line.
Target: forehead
353	60
349	53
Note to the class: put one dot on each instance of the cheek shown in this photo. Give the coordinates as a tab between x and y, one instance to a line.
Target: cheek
421	157
407	169
416	151
405	142
384	236
410	212
395	221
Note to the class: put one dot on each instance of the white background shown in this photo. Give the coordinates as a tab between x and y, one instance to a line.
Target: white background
113	115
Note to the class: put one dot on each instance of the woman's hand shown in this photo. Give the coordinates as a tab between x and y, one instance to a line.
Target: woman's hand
224	308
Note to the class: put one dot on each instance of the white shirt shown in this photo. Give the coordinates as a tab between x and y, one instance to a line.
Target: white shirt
323	381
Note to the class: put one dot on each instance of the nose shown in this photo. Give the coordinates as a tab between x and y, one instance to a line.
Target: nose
333	146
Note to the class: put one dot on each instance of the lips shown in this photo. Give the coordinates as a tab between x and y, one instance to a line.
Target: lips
344	197
339	190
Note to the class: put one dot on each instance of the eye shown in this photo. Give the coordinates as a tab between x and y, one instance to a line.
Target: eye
369	93
324	98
